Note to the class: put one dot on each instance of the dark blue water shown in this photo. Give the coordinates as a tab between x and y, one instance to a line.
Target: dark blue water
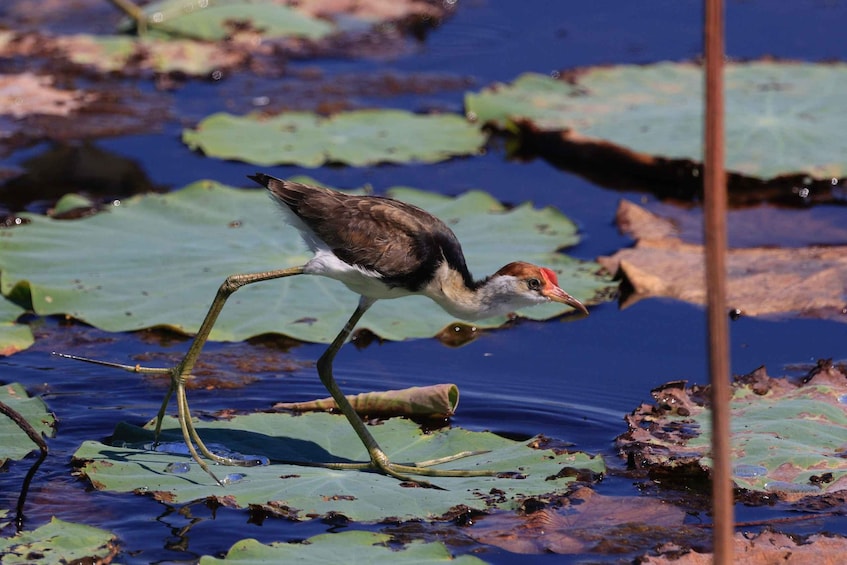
570	380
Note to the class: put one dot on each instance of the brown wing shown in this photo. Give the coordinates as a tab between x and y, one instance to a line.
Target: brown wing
403	243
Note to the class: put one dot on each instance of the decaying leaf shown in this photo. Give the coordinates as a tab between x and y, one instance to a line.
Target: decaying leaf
808	281
26	93
765	548
788	440
434	401
587	522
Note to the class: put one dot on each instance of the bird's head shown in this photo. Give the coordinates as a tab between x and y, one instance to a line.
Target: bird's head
530	284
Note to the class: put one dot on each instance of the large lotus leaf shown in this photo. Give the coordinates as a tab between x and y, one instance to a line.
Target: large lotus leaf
58	542
157	260
14	337
14	442
302	492
781	118
362	137
787	439
214	20
356	546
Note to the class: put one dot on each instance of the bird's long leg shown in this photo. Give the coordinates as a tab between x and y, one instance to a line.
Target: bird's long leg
182	372
379	459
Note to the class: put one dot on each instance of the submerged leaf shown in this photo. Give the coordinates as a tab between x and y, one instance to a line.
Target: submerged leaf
356	546
357	138
788	439
782	117
160	259
14	442
434	401
59	542
302	492
808	281
586	522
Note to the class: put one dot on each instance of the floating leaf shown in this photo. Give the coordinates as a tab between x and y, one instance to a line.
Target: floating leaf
14	443
782	118
788	440
301	492
760	281
434	401
59	542
14	337
214	20
356	546
161	258
357	138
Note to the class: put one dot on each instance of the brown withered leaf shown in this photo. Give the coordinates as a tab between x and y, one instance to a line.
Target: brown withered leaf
588	522
762	549
808	281
26	93
435	401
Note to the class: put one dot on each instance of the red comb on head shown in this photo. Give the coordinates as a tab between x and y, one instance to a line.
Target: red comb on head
550	276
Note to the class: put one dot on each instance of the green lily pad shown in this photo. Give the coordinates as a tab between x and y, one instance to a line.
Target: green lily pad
59	542
158	260
14	337
214	20
14	443
358	138
781	118
787	439
301	492
356	546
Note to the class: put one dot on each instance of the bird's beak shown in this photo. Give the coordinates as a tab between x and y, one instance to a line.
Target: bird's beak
556	294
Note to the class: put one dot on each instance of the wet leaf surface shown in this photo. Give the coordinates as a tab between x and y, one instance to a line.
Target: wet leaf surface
302	492
808	281
788	440
196	237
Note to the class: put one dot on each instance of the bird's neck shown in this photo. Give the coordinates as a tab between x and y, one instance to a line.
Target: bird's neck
485	299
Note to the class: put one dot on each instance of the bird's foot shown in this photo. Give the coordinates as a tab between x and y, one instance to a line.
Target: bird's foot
189	433
403	471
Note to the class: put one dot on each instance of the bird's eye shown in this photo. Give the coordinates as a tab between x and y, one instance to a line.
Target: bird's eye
533	284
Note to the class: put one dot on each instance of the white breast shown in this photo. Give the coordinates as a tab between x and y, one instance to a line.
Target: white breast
361	281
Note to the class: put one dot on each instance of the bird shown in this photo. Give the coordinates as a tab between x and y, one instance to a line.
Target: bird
379	248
